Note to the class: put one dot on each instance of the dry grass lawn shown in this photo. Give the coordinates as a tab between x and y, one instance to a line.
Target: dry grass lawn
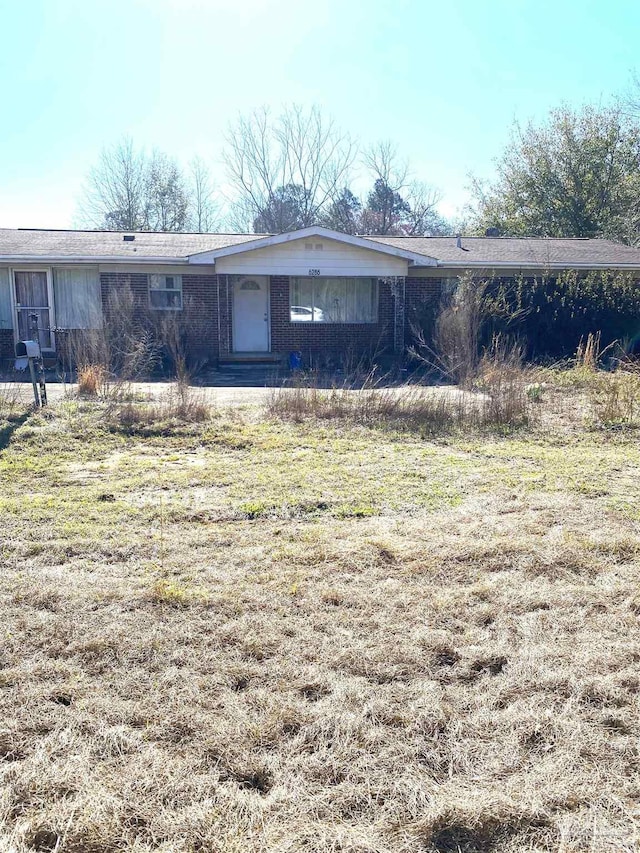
249	634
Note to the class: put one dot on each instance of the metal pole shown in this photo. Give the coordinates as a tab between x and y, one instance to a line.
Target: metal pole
32	371
41	382
35	336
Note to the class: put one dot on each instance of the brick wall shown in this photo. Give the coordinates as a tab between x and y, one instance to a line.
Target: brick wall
199	314
420	293
210	331
113	284
328	343
7	350
200	303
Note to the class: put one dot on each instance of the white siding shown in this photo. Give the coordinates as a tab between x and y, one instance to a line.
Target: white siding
76	296
6	314
294	258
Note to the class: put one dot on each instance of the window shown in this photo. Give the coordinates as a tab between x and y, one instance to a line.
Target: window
334	300
450	285
165	292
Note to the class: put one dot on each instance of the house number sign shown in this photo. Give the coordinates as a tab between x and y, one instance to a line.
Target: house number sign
314	272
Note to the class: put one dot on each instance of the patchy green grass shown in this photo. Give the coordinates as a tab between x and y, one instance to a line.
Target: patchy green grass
248	634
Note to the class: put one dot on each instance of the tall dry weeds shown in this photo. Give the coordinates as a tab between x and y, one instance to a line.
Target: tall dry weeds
588	353
92	379
454	346
614	398
179	406
11	400
134	342
501	402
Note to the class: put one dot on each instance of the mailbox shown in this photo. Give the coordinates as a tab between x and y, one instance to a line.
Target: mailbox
27	349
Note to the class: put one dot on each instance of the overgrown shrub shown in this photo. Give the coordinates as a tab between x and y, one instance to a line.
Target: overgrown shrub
549	314
457	330
453	333
556	312
134	341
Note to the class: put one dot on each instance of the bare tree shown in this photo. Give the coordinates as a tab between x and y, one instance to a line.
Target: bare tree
385	206
423	218
129	190
397	204
286	168
166	197
204	209
114	195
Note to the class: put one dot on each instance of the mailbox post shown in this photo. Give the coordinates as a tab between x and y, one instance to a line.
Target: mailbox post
38	362
30	352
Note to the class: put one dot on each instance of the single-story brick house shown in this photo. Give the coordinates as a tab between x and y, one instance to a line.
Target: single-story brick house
316	291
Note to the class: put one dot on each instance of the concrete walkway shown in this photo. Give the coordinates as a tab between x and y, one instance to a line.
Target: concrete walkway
219	396
227	396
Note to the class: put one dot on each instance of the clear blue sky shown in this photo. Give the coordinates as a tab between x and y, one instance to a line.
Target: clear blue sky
444	80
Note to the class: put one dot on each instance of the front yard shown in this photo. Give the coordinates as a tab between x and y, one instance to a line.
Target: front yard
255	634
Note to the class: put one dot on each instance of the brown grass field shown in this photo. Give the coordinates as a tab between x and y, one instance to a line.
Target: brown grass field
253	632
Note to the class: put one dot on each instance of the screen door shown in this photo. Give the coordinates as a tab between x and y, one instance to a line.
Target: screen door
32	297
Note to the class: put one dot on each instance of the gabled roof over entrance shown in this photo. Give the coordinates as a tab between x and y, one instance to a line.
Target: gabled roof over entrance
406	254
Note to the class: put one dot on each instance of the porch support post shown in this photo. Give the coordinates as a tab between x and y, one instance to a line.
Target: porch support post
397	285
224	314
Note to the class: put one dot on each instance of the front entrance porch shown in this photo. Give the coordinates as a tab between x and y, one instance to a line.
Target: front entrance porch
331	321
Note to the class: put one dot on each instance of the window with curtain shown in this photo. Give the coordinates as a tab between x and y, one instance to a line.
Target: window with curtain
76	294
334	300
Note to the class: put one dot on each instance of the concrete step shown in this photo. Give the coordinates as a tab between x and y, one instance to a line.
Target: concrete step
241	369
246	376
250	358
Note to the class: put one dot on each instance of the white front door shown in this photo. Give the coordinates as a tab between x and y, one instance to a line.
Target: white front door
251	313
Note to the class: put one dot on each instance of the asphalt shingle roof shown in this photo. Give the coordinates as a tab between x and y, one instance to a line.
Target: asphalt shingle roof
111	243
519	251
486	251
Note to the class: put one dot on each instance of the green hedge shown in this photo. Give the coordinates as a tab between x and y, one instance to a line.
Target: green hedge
552	314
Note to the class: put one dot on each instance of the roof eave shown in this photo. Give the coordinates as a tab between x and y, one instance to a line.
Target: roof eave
556	265
313	231
90	259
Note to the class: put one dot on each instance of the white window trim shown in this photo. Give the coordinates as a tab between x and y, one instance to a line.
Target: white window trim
178	278
14	305
315	322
